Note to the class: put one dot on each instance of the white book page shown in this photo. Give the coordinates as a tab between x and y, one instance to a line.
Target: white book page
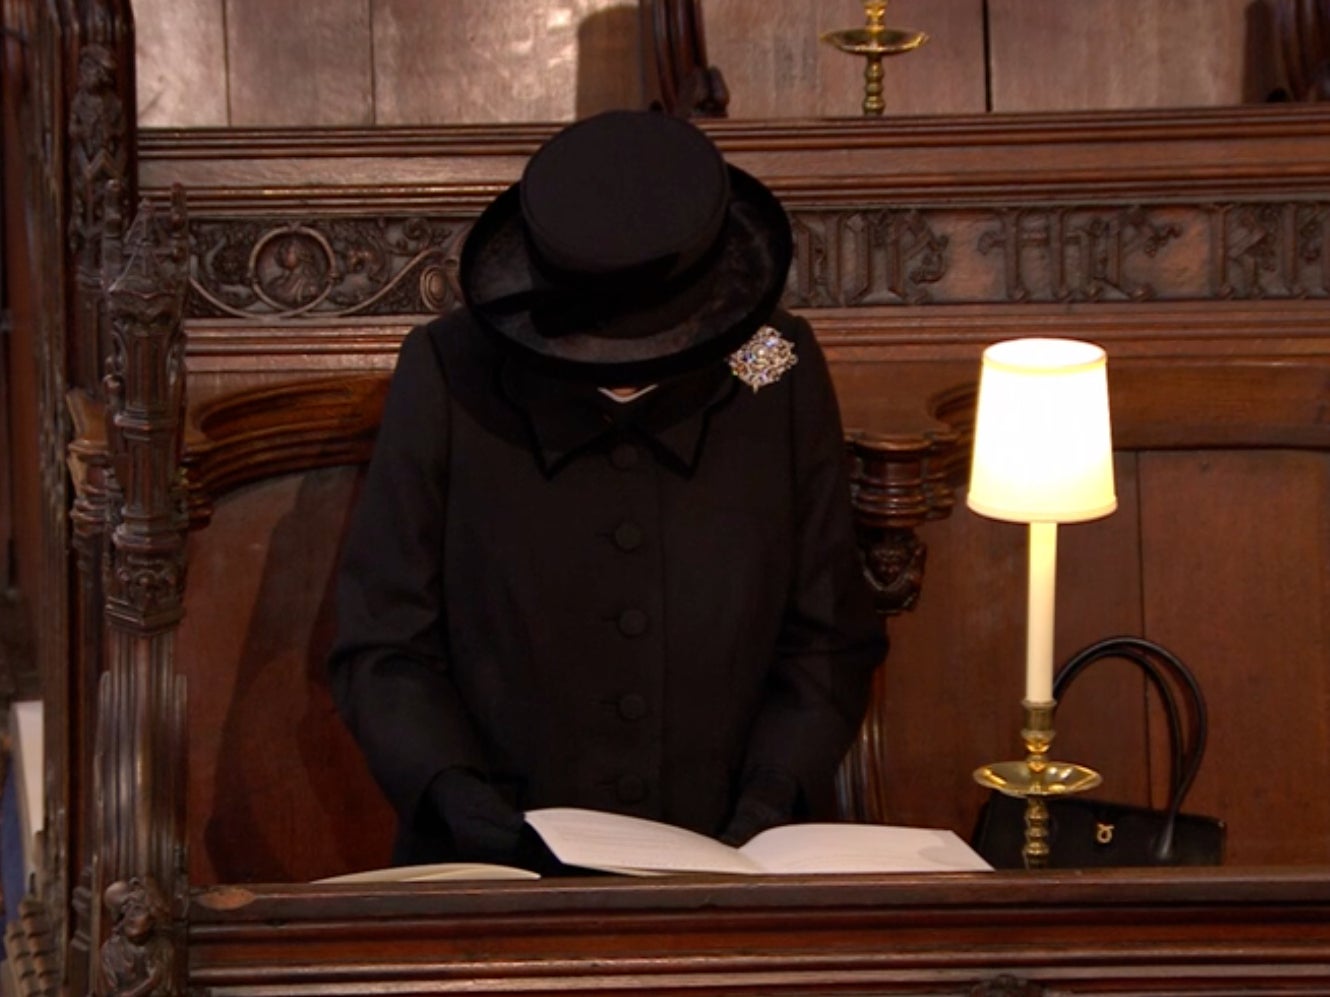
27	753
616	843
842	848
433	873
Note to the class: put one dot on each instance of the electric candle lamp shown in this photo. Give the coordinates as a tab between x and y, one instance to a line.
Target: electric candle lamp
1043	455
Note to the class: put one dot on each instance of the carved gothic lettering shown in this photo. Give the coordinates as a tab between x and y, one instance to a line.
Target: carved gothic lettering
1007	240
809	285
1076	254
917	255
1270	250
1247	250
865	258
1312	254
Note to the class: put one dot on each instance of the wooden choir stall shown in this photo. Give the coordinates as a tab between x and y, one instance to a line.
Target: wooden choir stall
220	343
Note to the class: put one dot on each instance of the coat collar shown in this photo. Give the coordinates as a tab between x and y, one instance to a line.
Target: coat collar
566	419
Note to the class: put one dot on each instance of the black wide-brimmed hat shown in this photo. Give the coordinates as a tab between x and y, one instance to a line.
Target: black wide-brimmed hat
629	251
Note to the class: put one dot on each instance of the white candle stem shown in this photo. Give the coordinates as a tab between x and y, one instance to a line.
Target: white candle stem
1039	619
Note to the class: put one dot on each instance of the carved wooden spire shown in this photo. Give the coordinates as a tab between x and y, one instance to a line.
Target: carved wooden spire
140	746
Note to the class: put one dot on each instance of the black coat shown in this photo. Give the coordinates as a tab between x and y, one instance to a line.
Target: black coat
618	606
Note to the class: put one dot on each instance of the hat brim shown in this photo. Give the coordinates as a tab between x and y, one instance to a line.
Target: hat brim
635	338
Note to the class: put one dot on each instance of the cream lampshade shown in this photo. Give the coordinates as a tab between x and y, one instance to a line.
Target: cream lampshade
1043	446
1043	455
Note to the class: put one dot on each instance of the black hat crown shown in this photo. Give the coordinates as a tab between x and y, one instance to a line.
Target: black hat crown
628	251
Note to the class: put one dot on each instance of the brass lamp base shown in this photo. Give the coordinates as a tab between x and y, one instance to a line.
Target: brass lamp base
1036	778
1019	779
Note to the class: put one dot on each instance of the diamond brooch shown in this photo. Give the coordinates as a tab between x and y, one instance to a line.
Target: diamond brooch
764	359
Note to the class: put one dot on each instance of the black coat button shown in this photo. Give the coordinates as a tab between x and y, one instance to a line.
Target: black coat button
631	789
624	456
632	706
628	536
632	623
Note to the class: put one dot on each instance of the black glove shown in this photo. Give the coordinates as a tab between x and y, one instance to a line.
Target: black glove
768	799
482	827
480	824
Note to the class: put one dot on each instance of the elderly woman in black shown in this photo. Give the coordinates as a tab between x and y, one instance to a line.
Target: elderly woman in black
604	556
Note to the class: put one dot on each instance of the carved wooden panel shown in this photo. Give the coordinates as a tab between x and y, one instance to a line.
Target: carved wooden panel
340	268
327	269
1067	253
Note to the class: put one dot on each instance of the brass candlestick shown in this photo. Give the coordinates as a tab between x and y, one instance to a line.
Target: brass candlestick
1036	778
875	41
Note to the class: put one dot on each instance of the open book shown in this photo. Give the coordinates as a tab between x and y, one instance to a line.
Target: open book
616	843
607	842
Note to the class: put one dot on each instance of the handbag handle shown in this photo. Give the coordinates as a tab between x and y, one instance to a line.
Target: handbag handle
1186	740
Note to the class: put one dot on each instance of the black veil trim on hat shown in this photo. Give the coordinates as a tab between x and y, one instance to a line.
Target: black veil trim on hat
636	325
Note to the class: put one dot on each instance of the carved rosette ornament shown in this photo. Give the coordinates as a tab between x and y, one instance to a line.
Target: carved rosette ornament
139	756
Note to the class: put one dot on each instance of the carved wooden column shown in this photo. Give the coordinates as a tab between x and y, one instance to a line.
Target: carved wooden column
897	482
139	776
100	135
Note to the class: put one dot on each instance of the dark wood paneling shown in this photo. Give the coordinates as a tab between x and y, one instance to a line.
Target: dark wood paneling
1049	55
503	60
182	50
1236	571
508	61
961	935
776	67
275	794
290	63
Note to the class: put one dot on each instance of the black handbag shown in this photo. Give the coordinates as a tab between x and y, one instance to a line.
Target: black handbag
1087	833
